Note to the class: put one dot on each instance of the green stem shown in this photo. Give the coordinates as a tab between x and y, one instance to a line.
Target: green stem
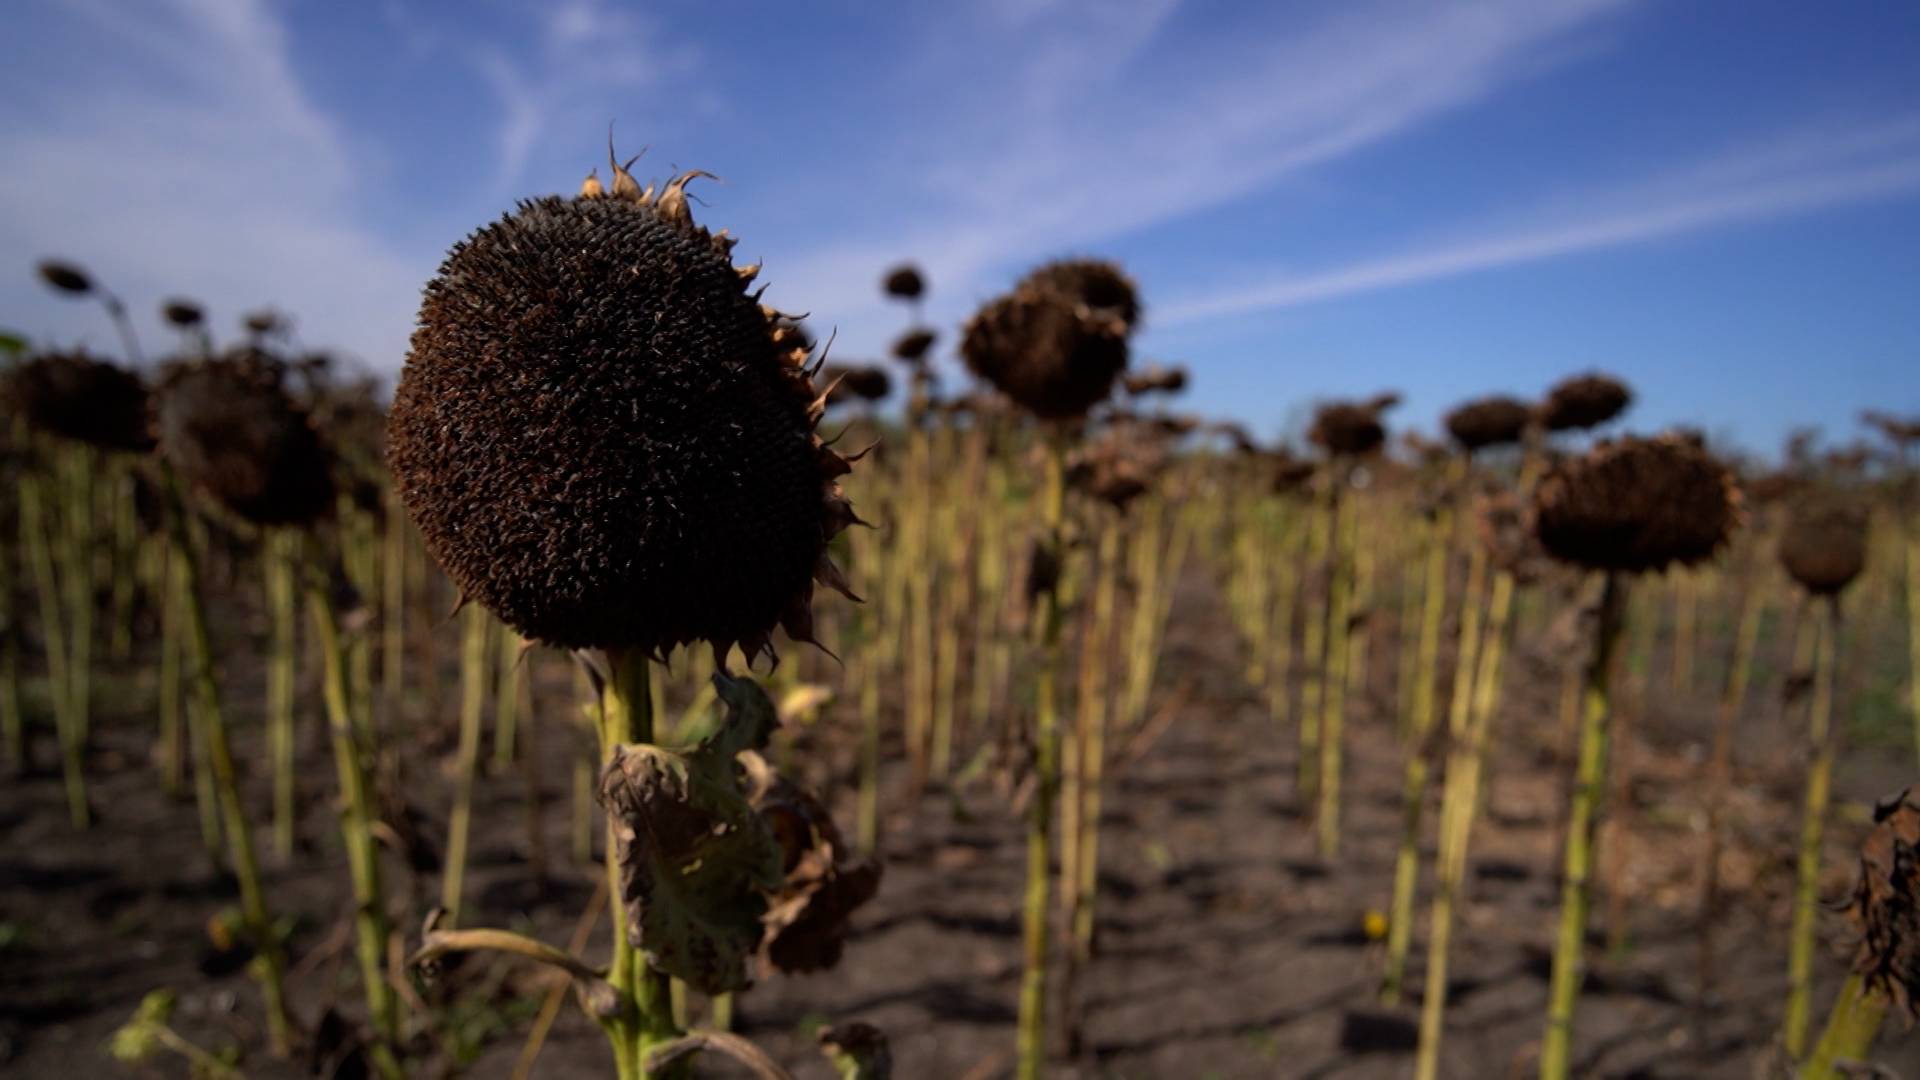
1819	790
1313	650
280	691
1719	776
124	559
1855	1021
1340	571
1406	866
475	632
1569	953
1031	1049
270	964
393	586
1460	802
626	711
506	705
34	528
79	579
1286	606
356	816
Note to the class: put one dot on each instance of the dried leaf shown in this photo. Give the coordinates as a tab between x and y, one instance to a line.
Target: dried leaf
695	858
808	918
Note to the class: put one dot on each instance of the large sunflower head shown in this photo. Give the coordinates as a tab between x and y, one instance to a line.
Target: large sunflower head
606	439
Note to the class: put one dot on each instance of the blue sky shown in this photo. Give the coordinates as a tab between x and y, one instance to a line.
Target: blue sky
1719	201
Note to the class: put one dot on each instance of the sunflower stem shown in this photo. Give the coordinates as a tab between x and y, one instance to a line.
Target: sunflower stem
1569	953
356	815
1820	730
476	630
626	715
1406	867
1031	1044
1853	1024
270	965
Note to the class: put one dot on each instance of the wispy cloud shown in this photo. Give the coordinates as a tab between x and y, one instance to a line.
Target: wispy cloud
183	156
579	52
1091	133
1779	178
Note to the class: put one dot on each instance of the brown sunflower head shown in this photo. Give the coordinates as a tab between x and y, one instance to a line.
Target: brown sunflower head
1885	908
1096	284
1347	428
1175	425
76	396
1824	546
1489	421
904	282
1584	401
1057	342
1901	431
1156	379
229	427
913	346
1291	473
1636	505
855	382
1119	466
606	439
183	314
65	277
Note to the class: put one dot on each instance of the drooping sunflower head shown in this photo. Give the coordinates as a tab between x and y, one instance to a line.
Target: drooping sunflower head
607	440
1056	343
1348	429
73	395
1824	546
1584	401
1489	421
1637	504
229	426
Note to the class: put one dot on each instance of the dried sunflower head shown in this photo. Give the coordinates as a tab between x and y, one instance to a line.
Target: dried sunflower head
1348	429
184	314
1824	546
1290	473
1584	401
1095	284
1119	466
904	282
65	277
912	347
1886	903
1903	432
1636	505
77	396
607	440
1156	379
1489	421
230	428
865	382
1057	342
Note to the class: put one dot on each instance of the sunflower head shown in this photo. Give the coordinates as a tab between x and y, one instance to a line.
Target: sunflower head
606	439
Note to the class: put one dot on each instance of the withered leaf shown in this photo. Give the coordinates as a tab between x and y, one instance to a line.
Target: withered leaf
808	919
695	858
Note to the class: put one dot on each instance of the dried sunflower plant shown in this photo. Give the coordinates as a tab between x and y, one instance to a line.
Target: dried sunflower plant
608	442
